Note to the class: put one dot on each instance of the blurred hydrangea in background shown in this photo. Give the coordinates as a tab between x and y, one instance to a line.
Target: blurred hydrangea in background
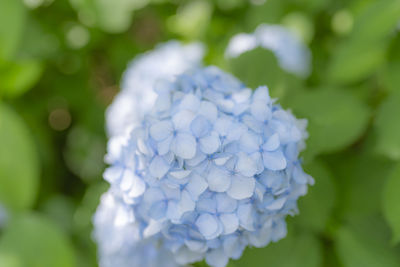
3	216
293	56
212	168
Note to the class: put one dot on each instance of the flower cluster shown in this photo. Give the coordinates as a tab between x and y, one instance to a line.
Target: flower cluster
212	168
293	56
137	97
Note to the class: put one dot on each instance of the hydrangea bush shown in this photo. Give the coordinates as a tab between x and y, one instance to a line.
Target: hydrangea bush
212	168
293	56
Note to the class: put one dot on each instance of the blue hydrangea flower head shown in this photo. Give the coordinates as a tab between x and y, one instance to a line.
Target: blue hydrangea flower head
137	95
212	168
293	56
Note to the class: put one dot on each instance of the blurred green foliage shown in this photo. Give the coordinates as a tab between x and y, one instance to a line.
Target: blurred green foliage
60	66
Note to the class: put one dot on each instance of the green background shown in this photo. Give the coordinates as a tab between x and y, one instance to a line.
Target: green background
60	66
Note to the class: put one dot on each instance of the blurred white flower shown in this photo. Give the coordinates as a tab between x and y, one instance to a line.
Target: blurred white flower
293	56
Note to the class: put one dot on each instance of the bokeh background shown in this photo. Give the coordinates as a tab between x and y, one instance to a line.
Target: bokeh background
61	62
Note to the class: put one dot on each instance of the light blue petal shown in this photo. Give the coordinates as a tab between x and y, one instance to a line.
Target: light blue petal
236	131
250	142
225	204
277	203
161	130
274	160
180	174
230	222
232	246
196	185
164	146
279	230
219	161
113	174
182	120
241	187
242	96
208	110
262	237
197	159
184	146
262	94
272	143
158	167
253	124
200	126
153	195
246	165
300	176
206	205
158	210
190	102
163	102
218	179
246	216
223	125
184	256
186	202
210	144
217	258
196	245
171	193
136	185
260	110
173	211
207	225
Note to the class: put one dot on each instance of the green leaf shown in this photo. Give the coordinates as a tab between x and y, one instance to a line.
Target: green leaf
365	50
192	19
354	61
37	242
388	127
84	153
19	166
360	177
269	12
12	20
61	210
377	21
110	16
363	250
316	207
83	215
9	260
391	200
257	67
18	77
301	250
391	77
336	118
